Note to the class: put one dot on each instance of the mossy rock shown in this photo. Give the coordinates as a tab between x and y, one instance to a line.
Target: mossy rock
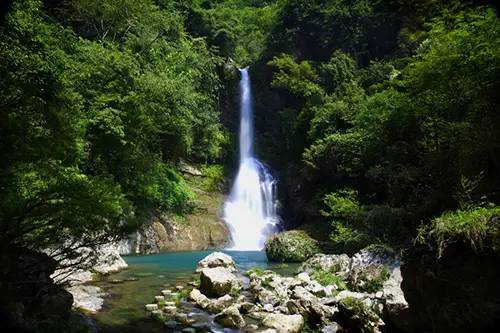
291	246
357	316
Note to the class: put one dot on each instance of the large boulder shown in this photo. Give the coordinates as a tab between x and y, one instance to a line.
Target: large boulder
396	308
366	271
291	246
284	323
355	315
451	282
216	259
218	281
28	293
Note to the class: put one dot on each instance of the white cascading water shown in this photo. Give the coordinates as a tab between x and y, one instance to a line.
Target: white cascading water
250	211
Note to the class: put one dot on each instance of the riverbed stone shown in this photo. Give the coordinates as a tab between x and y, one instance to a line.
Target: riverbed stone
230	317
217	281
170	309
151	307
88	298
166	292
159	299
217	259
218	305
284	323
200	299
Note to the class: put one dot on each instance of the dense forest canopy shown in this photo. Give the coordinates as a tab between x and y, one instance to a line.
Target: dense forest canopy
377	115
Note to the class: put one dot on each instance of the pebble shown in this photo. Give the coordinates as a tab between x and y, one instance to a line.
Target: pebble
159	299
179	288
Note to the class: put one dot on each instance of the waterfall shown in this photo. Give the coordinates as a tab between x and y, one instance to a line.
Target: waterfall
250	211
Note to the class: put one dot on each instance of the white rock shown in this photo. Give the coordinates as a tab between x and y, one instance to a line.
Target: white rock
218	281
217	259
151	307
166	292
200	299
284	323
88	298
170	309
304	277
159	299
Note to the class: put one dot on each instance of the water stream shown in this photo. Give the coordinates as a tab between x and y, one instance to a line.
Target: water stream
250	211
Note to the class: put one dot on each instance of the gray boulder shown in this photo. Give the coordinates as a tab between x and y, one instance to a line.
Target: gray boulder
396	307
284	323
216	259
230	317
218	281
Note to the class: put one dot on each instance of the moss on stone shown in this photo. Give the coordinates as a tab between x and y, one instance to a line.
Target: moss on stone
355	315
291	246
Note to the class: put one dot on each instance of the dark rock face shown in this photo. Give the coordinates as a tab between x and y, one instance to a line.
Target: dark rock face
457	291
29	299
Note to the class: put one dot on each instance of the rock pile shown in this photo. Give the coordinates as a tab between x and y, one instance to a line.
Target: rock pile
331	293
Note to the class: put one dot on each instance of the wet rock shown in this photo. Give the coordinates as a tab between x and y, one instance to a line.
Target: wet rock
189	330
230	317
159	299
220	304
183	318
87	298
200	299
247	307
218	281
170	324
217	259
284	323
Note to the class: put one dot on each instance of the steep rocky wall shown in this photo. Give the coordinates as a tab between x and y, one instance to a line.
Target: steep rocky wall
456	291
29	298
201	229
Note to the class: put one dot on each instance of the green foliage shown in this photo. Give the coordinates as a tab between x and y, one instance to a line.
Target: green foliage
479	226
329	278
411	135
99	101
213	177
237	29
356	316
371	284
